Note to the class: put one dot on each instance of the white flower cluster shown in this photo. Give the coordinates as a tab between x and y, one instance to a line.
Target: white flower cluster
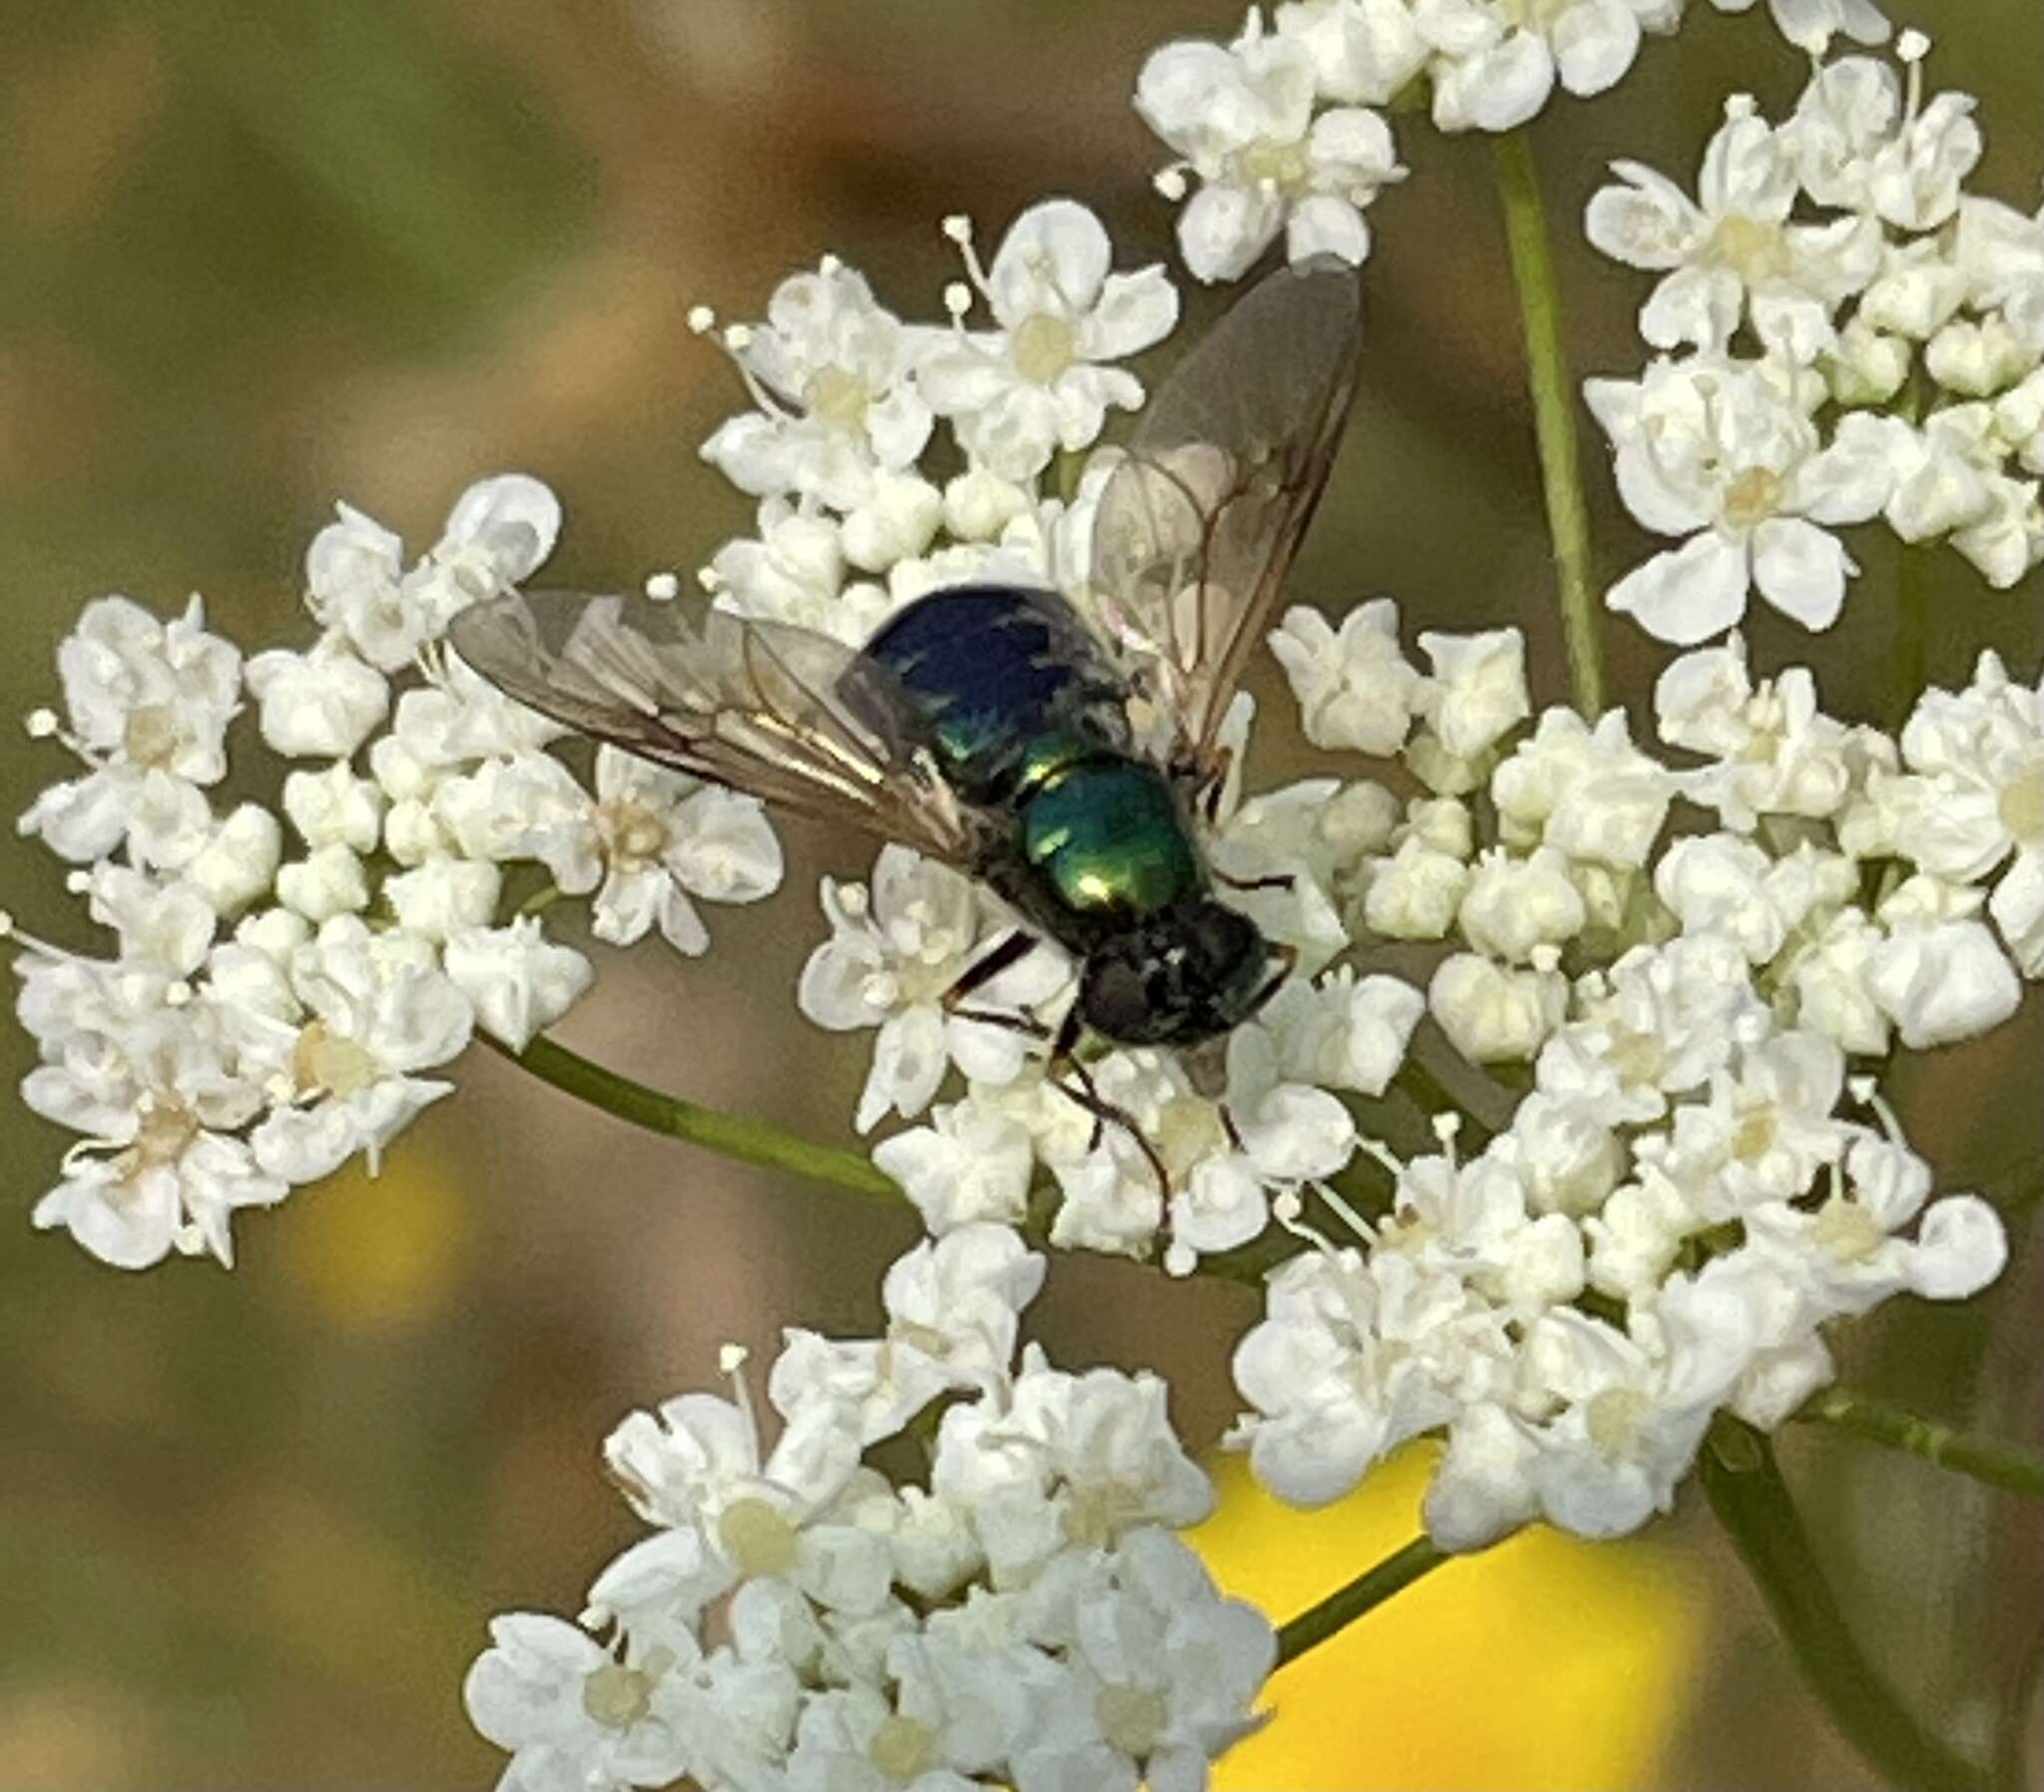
1696	1183
1850	336
1283	128
846	398
288	975
797	1623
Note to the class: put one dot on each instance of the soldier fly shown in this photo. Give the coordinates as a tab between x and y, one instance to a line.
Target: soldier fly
1069	764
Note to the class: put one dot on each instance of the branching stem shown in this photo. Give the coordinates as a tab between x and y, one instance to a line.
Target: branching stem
1753	1503
1994	1460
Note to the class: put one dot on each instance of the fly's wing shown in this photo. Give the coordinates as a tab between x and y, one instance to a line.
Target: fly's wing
1197	526
778	712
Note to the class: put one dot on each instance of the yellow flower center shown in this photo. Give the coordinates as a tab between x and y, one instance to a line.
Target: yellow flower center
1848	1231
1286	165
150	735
323	1059
619	1696
1613	1417
839	396
1131	1718
1751	248
1753	497
1753	1137
166	1128
757	1538
2022	806
1043	346
902	1749
632	834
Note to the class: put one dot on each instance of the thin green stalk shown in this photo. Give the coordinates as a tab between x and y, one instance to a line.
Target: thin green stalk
1553	393
1365	1594
1746	1490
761	1141
729	1134
1995	1461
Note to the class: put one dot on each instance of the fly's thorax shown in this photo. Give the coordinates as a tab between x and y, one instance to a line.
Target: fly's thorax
1109	838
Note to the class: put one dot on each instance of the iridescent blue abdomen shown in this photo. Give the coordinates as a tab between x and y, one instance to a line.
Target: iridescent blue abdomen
1012	695
996	672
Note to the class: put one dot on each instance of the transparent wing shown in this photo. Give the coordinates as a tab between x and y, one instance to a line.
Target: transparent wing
793	718
1197	527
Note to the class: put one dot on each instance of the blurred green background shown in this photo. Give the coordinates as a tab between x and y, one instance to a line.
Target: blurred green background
257	257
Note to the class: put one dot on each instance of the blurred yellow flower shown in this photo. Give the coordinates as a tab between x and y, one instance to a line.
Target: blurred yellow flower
1543	1662
384	1251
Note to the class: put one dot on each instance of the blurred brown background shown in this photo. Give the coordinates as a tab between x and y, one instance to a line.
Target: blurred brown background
257	257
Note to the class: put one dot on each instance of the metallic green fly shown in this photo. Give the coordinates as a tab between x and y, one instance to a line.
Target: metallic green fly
1071	764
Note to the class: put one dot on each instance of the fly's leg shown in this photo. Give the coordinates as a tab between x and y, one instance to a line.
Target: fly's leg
1025	1024
1081	1090
1215	773
1012	947
1287	955
1280	880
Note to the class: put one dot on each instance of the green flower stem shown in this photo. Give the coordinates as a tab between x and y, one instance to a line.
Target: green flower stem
1994	1460
761	1141
729	1134
1554	415
1365	1594
1746	1490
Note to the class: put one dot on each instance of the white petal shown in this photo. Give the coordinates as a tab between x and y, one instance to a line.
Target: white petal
1054	258
1687	594
1594	44
1800	570
1960	1248
1850	481
513	517
1326	226
1135	310
1224	229
1647	222
2018	910
1654	501
1496	89
1699	307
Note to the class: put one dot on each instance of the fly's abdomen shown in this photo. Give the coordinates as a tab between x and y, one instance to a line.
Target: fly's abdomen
1106	839
1002	683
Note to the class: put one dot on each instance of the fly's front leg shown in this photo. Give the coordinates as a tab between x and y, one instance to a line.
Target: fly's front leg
1010	950
1287	955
